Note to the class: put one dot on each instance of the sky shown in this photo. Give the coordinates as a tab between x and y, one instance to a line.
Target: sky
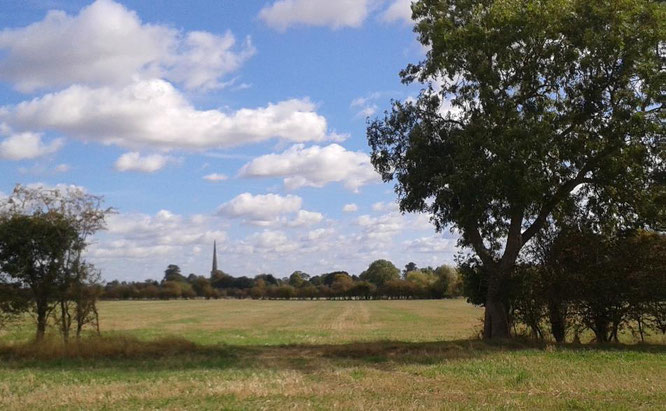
236	121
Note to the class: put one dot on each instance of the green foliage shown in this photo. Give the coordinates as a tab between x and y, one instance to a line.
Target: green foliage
14	301
43	234
580	280
528	107
422	279
33	251
379	272
172	273
298	279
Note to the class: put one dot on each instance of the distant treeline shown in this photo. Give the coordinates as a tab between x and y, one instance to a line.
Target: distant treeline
381	280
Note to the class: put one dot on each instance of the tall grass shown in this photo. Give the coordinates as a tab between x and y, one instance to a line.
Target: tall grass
97	347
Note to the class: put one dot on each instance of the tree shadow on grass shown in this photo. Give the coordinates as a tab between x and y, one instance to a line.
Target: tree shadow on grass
175	353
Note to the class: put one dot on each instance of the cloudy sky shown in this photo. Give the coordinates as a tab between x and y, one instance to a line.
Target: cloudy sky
236	121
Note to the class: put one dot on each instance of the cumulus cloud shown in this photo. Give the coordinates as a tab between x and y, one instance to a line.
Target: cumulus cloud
215	177
350	208
261	209
388	223
153	113
272	241
431	245
142	236
206	57
314	167
382	206
269	210
283	14
306	218
281	248
27	145
399	10
107	44
146	164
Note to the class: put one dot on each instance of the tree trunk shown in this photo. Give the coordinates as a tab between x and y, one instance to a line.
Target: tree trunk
65	320
557	321
42	311
496	324
601	331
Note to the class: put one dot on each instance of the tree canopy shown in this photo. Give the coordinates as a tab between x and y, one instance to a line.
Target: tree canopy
43	234
528	108
380	271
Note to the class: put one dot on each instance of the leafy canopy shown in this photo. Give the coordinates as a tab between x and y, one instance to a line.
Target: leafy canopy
528	106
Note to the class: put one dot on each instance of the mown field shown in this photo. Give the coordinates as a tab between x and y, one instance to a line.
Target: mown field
230	354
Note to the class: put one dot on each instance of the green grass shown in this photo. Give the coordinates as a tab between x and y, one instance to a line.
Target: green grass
230	354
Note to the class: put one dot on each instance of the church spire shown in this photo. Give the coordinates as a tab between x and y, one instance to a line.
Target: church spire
214	258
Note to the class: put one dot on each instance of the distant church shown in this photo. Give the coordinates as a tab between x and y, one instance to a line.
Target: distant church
214	269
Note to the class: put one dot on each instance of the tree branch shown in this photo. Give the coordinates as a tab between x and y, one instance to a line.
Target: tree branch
550	205
481	250
514	238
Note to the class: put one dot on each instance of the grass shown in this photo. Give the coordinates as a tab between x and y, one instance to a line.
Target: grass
231	354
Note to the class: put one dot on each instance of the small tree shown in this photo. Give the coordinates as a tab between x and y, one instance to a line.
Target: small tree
85	293
172	273
32	251
411	266
72	214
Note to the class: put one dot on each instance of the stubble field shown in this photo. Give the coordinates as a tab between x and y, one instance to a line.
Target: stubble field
230	354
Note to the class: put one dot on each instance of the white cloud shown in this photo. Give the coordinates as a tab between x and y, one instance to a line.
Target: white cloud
318	234
164	228
205	58
306	218
350	208
215	177
381	206
142	236
365	105
283	14
367	111
399	10
154	114
431	245
62	168
107	44
146	164
261	209
389	223
153	241
314	167
27	145
272	241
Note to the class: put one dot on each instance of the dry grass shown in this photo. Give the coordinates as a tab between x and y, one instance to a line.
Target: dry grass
108	347
246	322
322	355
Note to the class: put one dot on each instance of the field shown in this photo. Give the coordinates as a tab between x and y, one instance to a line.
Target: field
230	354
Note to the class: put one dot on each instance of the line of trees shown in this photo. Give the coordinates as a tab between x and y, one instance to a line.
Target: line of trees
381	280
43	235
576	279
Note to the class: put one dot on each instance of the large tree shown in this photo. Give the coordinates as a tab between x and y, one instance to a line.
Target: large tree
528	106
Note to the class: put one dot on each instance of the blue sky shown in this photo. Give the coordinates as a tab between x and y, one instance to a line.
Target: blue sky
240	121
